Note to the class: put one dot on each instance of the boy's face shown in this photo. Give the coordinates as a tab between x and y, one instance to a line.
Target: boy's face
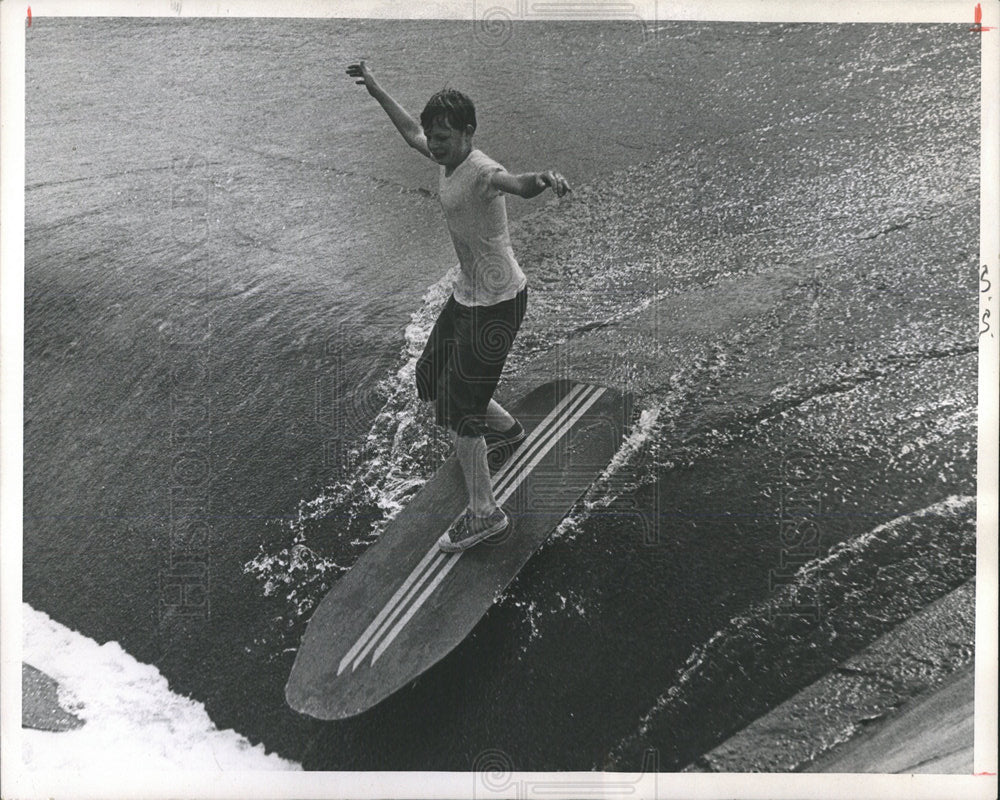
448	145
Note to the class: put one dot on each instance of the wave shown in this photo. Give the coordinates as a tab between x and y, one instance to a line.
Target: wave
863	587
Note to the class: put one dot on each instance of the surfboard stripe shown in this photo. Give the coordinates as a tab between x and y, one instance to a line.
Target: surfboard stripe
581	407
385	610
575	409
407	589
552	428
587	400
584	402
535	438
404	592
435	560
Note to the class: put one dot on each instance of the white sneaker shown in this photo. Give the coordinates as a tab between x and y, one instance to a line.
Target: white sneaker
470	530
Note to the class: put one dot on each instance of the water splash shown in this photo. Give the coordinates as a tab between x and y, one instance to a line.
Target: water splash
398	454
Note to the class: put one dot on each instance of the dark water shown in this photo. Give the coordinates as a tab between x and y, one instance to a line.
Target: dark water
231	261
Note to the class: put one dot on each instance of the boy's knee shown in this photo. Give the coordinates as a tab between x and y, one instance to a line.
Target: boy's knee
469	427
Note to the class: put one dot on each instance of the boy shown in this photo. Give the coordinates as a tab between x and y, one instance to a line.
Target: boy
461	364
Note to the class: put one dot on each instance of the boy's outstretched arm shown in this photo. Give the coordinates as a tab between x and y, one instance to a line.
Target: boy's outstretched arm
530	184
405	124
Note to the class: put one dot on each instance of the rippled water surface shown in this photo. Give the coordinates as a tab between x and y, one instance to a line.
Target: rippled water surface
232	261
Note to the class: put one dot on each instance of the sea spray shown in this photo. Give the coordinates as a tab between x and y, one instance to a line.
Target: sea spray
398	454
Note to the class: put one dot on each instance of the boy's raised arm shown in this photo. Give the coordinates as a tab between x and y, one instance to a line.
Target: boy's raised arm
530	184
408	127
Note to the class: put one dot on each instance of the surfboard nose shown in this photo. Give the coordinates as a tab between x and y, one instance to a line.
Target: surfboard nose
296	695
299	697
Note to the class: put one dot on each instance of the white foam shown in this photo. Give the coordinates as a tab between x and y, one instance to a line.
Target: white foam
607	487
131	716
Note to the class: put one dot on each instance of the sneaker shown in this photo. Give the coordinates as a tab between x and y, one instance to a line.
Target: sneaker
506	440
470	530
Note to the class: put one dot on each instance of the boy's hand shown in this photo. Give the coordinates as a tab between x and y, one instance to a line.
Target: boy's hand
408	127
554	180
361	71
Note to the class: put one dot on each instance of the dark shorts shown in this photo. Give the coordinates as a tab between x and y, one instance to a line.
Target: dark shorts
463	358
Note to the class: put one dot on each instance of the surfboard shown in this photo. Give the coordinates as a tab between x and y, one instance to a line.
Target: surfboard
406	604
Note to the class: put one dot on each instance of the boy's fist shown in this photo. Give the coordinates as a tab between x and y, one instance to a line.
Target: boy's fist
556	181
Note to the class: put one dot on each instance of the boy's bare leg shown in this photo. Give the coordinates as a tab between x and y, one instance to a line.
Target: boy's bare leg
471	452
497	417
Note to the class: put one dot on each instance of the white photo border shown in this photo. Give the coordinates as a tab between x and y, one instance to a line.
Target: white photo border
19	783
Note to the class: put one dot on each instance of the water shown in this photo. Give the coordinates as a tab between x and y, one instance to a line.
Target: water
232	261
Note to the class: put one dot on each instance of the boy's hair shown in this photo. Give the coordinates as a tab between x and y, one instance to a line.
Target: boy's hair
451	105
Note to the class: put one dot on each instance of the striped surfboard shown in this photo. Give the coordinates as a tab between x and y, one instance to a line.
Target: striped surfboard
405	604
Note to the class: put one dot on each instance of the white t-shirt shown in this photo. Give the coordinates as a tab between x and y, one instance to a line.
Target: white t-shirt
476	214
